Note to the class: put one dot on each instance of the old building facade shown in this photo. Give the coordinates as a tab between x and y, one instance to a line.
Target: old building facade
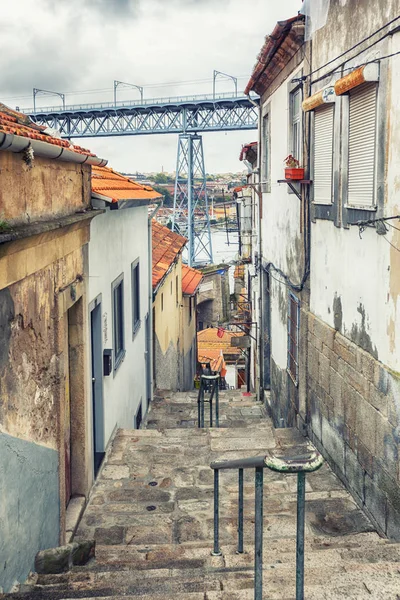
45	443
329	269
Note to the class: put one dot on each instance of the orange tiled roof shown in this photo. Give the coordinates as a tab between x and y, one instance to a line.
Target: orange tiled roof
17	123
115	186
207	340
212	356
166	246
191	279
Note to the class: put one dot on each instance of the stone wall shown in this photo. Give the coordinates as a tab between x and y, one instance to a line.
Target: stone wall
354	419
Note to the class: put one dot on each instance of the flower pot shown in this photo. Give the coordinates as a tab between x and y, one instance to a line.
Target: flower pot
294	173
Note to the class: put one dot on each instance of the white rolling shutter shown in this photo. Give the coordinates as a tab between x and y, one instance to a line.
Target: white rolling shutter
362	135
323	154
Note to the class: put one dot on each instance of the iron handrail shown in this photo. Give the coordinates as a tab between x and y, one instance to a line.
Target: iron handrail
207	381
307	460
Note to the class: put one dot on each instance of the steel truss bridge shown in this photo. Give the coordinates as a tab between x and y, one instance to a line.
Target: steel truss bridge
184	114
187	116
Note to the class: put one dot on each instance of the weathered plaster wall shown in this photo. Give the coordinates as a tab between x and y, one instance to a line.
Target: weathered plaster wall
50	188
29	512
117	239
169	331
35	296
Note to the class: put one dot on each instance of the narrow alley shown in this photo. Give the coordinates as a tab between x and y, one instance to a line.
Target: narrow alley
151	515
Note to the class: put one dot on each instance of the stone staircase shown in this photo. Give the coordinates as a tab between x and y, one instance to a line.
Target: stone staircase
151	514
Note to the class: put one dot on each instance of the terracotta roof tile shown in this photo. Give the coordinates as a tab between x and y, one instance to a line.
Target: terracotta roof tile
191	279
115	186
16	123
214	357
277	50
166	246
207	340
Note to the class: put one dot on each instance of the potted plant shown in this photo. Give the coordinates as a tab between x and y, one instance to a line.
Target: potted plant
292	169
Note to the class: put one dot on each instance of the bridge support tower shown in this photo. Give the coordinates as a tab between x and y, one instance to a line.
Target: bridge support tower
191	217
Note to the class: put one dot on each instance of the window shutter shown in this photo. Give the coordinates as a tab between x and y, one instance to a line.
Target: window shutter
362	131
323	154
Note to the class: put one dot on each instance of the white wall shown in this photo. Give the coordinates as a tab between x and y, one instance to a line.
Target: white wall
281	238
365	273
118	238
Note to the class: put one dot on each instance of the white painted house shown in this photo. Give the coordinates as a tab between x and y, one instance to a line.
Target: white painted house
119	296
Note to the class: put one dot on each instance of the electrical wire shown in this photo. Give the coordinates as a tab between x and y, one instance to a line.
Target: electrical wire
393	246
110	89
368	62
356	46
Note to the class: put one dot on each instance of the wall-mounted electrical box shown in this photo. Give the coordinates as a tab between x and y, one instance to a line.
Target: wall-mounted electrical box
107	362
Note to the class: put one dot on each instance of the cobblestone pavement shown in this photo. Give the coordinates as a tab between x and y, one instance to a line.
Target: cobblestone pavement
151	514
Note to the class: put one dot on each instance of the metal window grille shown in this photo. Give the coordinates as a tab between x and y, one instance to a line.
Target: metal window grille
323	154
362	146
293	337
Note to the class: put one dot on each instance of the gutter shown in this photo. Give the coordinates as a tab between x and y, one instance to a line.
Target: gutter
150	356
18	143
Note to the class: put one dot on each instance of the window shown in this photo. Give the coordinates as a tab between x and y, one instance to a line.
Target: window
135	276
362	145
266	152
293	337
295	125
162	302
177	289
117	288
323	154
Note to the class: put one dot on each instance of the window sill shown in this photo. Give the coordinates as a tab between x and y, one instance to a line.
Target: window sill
364	208
118	361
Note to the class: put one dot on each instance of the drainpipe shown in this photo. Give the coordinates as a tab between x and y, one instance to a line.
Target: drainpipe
150	356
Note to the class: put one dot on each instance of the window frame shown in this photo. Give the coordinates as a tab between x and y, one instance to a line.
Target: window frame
135	296
293	300
118	284
296	89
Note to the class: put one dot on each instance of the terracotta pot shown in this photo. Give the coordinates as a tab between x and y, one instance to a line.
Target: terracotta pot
294	173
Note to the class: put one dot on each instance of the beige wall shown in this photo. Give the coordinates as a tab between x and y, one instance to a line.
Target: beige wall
168	340
49	188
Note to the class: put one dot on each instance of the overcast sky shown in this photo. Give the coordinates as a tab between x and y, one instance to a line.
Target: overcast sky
83	45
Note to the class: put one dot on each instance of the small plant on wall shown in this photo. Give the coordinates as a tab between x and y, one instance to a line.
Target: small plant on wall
292	168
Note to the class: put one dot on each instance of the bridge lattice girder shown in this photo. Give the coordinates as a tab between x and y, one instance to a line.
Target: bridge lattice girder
226	115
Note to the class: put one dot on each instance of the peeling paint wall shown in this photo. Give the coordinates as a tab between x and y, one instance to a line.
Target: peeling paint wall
42	277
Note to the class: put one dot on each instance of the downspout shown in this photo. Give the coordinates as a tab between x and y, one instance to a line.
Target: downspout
150	356
257	189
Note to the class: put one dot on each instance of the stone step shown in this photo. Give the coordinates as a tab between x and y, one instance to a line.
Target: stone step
358	581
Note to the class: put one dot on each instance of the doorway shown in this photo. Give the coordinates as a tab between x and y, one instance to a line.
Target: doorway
97	384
